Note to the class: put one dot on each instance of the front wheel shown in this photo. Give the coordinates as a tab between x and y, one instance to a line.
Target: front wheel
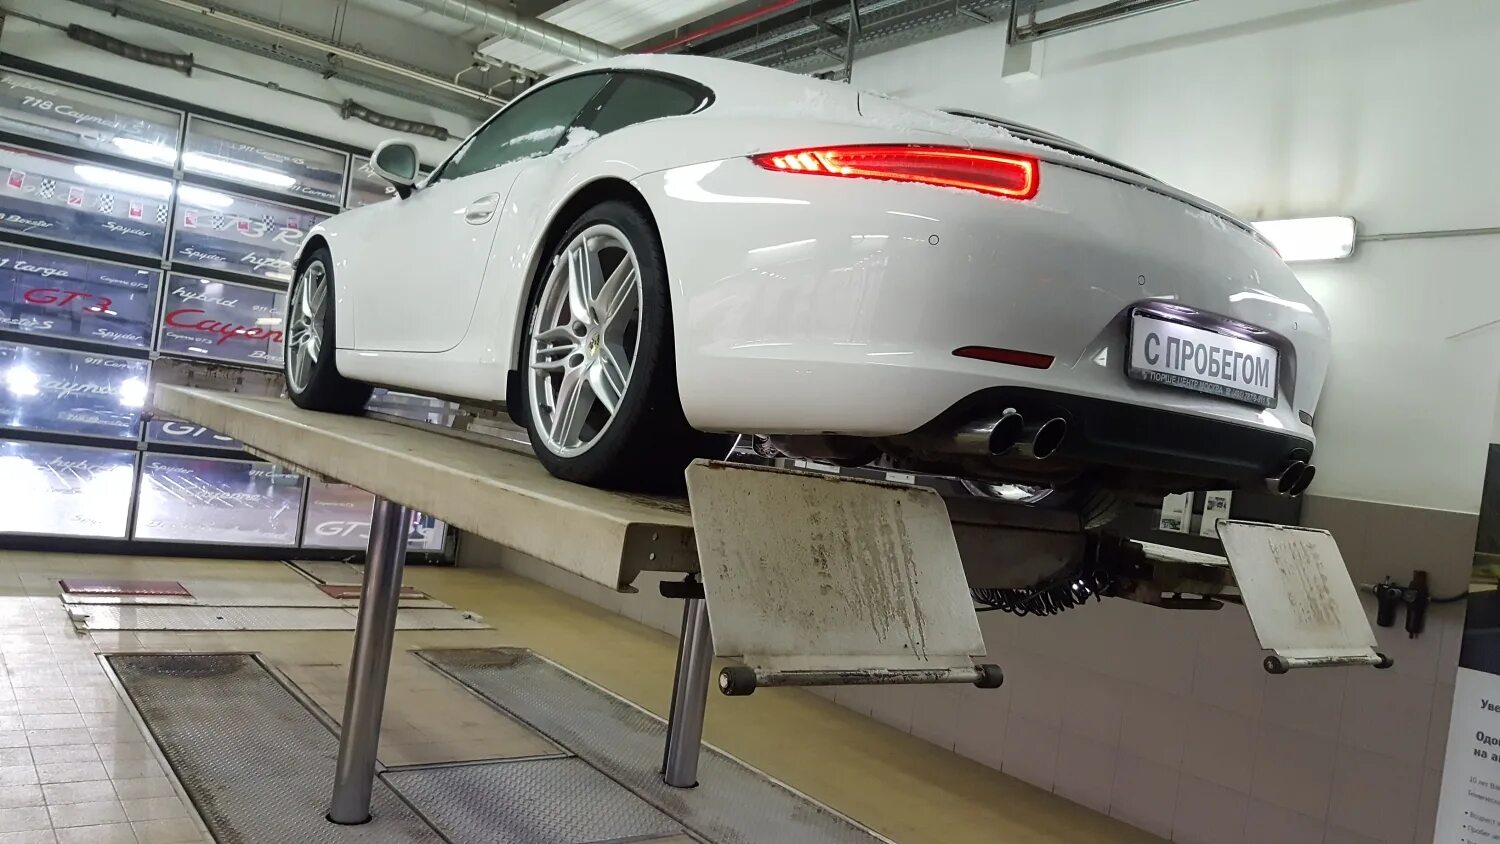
599	377
312	377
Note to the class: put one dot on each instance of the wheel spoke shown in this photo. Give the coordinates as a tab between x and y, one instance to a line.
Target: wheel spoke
583	279
617	296
304	300
551	348
574	399
608	379
313	345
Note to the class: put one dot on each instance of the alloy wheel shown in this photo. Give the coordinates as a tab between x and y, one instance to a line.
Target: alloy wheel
583	341
304	331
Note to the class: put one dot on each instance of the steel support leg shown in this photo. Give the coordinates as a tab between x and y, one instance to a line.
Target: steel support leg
695	662
374	634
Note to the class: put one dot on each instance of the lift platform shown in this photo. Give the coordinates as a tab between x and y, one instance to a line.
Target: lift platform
869	584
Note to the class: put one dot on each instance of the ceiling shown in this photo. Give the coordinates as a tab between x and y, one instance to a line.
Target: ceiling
400	48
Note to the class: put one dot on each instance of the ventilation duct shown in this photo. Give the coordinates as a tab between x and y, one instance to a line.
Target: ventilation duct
539	35
124	49
395	124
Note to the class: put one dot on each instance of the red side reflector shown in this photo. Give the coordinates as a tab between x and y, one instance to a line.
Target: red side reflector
998	174
1031	360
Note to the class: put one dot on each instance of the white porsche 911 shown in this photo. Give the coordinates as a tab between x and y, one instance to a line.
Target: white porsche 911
642	255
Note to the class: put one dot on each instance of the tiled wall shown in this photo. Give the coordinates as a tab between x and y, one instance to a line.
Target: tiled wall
1166	720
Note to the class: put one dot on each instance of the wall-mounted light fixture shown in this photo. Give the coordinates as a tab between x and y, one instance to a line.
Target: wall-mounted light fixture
1310	238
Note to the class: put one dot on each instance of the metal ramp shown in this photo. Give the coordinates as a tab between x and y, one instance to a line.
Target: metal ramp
869	584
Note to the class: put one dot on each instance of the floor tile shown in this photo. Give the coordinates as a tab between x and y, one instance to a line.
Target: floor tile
57	721
13	738
115	833
86	814
70	772
139	750
18	775
170	831
84	791
24	818
31	836
54	753
129	769
154	808
11	757
133	789
15	796
118	734
39	738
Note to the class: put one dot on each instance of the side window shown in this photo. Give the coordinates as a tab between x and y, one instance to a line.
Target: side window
531	126
638	98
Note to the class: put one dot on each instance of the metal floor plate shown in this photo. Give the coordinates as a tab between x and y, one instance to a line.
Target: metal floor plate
256	763
733	804
529	801
160	617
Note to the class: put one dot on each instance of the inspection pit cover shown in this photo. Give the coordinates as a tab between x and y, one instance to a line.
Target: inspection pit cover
351	593
103	586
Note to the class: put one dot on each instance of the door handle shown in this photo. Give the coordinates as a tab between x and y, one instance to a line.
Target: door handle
482	209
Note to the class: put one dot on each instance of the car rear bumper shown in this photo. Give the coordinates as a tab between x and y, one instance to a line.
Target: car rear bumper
817	305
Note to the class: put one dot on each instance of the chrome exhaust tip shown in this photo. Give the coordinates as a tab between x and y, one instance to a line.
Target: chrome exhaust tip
1289	482
1008	430
1304	482
1040	442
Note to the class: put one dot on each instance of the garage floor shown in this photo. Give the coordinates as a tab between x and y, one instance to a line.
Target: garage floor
75	768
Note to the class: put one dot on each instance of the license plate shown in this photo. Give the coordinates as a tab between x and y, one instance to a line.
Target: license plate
1205	361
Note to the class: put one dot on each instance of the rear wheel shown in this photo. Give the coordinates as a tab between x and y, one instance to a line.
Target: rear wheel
312	377
599	377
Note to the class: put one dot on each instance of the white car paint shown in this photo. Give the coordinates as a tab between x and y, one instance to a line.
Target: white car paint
816	305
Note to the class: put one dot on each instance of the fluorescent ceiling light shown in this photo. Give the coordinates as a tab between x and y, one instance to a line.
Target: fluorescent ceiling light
22	380
133	392
120	180
202	197
1310	238
236	171
145	150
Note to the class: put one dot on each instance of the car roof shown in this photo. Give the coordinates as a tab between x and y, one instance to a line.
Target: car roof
732	81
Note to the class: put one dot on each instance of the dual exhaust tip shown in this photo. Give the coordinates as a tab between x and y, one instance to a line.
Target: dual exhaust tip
1012	434
1293	480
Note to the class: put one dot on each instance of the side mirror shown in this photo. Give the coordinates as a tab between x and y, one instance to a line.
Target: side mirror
396	162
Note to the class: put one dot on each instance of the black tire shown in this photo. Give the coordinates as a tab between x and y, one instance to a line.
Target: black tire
326	389
648	441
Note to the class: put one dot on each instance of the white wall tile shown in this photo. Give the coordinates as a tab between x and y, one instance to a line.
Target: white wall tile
1375	795
1293	770
934	715
1230	679
981	716
983	740
1037	687
1208	813
1085	771
1151	724
1031	749
1437	730
1389	713
892	705
1266	823
1220	746
1092	706
1312	701
1339	835
1427	807
1144	794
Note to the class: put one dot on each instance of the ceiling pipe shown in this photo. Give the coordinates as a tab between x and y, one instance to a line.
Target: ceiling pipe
715	29
549	38
1106	13
328	47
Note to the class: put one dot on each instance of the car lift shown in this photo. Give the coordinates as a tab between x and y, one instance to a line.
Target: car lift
871	587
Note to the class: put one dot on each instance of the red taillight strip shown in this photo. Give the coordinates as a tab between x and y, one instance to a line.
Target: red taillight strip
1032	360
998	174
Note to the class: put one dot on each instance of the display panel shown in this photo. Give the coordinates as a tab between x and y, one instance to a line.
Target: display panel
65	489
236	233
83	203
205	499
49	294
338	516
66	392
221	320
66	114
264	161
187	433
